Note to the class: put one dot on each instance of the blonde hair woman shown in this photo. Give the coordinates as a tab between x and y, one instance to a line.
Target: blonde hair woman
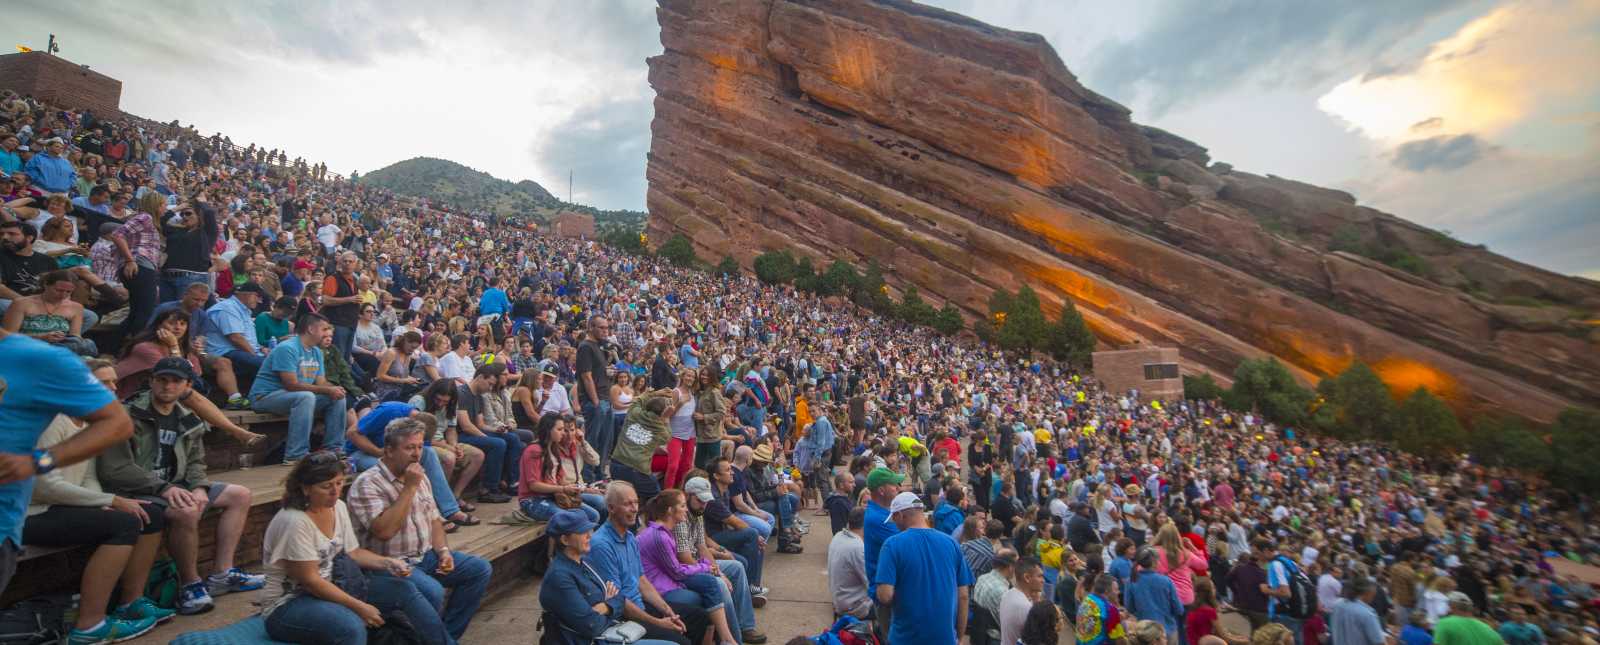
1180	560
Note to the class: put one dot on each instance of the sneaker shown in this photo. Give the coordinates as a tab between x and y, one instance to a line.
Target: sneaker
112	630
759	591
194	599
790	548
145	608
240	403
752	637
235	579
757	602
493	498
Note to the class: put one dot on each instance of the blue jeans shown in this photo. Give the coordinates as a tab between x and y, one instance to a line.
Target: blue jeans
543	508
437	481
644	484
502	454
1293	625
174	283
466	584
600	431
703	587
308	619
737	602
343	339
760	524
303	408
245	365
744	543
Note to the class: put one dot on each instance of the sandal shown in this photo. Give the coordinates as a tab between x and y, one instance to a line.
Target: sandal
469	520
467	507
450	527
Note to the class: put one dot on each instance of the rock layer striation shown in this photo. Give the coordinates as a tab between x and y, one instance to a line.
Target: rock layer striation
966	158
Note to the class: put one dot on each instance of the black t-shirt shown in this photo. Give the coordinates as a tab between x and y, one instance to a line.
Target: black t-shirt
20	273
716	516
468	402
167	434
345	315
592	359
186	249
661	374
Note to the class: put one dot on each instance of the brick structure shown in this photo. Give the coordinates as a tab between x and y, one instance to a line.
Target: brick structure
60	82
573	224
1152	370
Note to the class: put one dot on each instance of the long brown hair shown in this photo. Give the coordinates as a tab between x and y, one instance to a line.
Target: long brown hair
661	506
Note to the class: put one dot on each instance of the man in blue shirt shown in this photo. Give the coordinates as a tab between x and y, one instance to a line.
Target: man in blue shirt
232	332
922	578
51	171
494	301
1353	621
37	382
614	554
364	444
293	381
98	200
882	487
10	161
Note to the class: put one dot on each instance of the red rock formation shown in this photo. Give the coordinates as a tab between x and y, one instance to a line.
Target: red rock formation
966	158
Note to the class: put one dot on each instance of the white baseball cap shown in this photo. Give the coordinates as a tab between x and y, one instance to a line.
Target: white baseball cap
904	502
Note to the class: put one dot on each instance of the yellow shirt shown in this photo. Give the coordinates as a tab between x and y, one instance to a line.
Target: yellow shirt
802	413
910	447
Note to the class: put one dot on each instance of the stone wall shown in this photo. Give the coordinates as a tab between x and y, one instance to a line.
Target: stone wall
1124	369
60	82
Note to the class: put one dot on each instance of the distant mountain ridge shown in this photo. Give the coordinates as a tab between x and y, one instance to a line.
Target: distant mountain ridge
449	183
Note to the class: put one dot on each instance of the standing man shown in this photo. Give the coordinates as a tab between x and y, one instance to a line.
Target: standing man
922	578
294	382
396	517
1026	588
847	570
594	397
341	302
1461	627
51	171
37	382
1354	621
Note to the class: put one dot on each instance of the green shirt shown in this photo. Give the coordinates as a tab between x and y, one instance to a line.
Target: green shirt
1464	630
268	328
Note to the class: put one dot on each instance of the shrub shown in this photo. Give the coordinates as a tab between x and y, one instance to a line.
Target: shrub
678	250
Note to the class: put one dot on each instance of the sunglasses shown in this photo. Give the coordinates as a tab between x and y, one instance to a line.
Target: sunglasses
324	457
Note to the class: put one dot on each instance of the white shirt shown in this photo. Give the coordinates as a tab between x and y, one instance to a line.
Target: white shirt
1328	590
556	400
1014	606
456	366
328	235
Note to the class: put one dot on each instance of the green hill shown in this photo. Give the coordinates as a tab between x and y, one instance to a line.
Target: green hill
449	183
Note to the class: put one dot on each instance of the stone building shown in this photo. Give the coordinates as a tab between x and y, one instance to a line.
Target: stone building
1152	370
60	82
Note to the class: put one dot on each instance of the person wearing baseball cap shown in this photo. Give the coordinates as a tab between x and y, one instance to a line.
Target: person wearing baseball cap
882	487
921	579
1461	627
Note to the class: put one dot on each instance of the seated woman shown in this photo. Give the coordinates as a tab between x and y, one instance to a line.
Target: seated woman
578	605
368	341
301	602
69	508
459	460
392	379
674	580
551	469
52	316
168	335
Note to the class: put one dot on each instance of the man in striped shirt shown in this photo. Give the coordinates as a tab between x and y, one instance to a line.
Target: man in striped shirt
396	516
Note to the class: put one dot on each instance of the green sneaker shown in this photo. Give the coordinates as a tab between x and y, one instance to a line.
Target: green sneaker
113	630
145	608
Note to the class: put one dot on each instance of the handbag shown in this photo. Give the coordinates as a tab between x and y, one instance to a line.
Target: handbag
623	632
348	576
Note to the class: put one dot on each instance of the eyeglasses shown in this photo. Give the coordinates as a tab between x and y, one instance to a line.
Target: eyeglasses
324	457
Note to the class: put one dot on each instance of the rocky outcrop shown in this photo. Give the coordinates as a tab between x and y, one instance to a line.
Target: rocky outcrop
966	158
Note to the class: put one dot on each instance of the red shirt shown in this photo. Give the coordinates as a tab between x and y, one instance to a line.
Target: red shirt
1200	622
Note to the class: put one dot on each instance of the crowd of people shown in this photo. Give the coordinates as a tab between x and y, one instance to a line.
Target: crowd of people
670	429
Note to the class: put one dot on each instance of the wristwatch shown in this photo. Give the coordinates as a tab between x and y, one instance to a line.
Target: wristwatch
43	462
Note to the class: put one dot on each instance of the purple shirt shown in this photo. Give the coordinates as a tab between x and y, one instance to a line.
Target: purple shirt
660	555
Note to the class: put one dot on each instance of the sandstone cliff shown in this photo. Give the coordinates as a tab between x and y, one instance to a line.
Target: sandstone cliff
966	158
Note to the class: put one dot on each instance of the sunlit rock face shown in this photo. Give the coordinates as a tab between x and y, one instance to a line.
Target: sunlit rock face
965	158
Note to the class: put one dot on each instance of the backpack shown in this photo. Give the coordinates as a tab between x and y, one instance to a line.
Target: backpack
1302	600
36	621
162	586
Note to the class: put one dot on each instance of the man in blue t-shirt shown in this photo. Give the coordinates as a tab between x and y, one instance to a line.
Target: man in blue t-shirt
37	382
293	381
922	578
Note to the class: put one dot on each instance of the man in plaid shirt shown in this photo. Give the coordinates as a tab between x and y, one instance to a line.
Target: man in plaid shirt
396	516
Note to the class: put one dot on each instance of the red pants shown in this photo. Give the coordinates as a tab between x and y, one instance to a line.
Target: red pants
680	458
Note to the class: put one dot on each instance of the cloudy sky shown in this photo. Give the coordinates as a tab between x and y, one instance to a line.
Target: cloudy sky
1478	117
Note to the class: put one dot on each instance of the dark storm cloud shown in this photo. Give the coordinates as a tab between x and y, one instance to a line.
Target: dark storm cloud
604	147
1197	49
1444	152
